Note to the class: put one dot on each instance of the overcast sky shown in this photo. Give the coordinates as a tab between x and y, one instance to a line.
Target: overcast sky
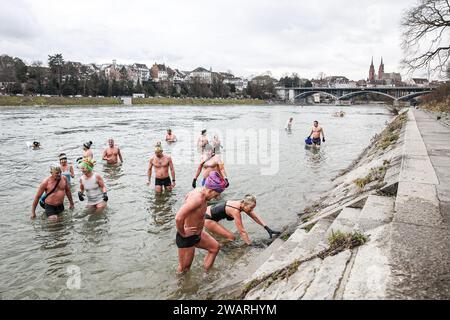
337	37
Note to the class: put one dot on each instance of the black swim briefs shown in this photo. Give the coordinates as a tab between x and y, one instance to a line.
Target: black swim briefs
53	210
188	242
163	182
316	141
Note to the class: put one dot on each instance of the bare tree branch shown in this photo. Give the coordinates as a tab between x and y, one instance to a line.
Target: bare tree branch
426	36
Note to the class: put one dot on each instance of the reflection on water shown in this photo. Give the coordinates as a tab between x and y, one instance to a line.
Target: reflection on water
129	250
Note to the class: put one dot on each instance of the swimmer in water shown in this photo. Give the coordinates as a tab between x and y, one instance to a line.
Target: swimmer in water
210	162
162	164
87	152
202	141
36	145
231	210
217	145
66	168
190	220
316	131
112	154
289	124
170	137
94	186
56	188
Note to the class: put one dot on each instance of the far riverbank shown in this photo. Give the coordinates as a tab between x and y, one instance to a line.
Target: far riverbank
72	101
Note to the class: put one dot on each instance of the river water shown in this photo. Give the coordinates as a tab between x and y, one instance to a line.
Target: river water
128	252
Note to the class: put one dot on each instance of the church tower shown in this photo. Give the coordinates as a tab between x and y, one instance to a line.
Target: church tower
372	72
381	70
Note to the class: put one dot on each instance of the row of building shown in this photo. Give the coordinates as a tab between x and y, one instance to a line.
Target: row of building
138	72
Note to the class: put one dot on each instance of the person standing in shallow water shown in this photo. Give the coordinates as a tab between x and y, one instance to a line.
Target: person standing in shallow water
87	152
162	164
94	186
170	137
210	162
112	154
56	187
66	168
316	131
202	141
190	220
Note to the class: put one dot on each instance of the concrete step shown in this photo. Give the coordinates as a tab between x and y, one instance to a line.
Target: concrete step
345	221
327	279
377	211
300	245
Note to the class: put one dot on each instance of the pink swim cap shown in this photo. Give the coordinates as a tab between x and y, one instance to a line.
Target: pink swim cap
215	182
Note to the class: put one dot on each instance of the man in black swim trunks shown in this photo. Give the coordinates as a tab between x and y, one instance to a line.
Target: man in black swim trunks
316	131
54	202
190	220
162	163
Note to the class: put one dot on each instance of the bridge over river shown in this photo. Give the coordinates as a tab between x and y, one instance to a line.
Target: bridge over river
346	93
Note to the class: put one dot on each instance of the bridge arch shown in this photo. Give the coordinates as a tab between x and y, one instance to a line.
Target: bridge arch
308	93
348	95
413	95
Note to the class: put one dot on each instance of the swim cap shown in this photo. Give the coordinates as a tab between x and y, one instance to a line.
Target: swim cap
87	145
55	167
36	143
158	149
203	131
87	163
62	156
215	182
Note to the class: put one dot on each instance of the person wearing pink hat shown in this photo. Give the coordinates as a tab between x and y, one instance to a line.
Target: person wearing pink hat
190	220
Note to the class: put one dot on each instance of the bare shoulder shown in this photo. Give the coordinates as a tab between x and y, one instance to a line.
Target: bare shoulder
195	198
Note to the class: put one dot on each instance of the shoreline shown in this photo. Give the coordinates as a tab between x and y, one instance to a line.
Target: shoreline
37	101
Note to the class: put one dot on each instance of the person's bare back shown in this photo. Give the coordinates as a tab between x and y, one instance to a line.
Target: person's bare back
195	204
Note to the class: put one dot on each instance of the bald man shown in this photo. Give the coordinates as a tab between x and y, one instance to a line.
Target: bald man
112	153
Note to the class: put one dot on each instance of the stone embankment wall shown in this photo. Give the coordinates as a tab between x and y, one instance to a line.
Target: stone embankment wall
388	200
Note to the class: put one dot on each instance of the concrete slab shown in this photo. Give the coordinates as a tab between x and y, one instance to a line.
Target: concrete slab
420	262
417	204
418	169
370	272
345	221
377	211
297	284
327	279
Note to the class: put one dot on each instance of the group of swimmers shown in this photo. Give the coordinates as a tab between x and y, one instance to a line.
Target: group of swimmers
191	219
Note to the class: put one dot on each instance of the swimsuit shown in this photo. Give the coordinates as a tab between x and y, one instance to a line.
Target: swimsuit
67	174
93	192
218	212
187	242
51	210
163	182
316	141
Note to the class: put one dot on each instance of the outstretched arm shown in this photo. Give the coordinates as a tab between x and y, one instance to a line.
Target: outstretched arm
257	219
241	229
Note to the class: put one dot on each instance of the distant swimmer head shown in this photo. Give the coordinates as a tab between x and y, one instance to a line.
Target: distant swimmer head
87	145
203	132
169	131
316	123
36	144
111	142
249	203
215	182
54	168
62	157
86	164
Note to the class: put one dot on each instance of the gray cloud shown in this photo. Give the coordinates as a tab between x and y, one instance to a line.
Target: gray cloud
248	37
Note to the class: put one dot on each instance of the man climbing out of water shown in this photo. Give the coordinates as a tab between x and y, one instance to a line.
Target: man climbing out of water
162	163
316	132
231	210
94	186
202	141
170	137
190	220
210	162
112	153
55	187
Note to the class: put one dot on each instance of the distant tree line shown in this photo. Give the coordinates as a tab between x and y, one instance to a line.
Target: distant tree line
66	78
